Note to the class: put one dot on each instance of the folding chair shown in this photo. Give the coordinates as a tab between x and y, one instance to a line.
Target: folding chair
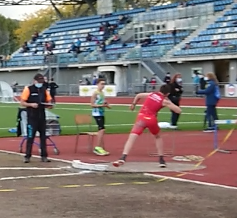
84	119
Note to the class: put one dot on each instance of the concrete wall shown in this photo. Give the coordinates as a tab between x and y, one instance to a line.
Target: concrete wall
68	76
186	69
233	71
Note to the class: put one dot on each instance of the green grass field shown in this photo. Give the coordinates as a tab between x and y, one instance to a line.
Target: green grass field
119	119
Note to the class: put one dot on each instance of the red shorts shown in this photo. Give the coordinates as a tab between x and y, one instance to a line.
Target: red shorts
143	122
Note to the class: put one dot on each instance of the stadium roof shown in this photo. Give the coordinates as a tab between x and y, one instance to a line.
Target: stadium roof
43	2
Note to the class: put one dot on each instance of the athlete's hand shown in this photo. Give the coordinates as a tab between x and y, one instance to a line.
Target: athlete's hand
106	105
132	107
34	105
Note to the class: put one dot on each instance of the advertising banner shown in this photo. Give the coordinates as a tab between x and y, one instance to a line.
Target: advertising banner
109	90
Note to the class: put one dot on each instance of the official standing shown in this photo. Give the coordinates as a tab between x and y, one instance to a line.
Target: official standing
53	87
34	98
212	95
176	90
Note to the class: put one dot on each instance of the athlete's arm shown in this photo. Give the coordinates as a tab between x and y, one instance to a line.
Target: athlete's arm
93	98
171	106
139	96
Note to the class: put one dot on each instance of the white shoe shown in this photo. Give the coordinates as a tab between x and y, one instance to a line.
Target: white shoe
118	163
173	127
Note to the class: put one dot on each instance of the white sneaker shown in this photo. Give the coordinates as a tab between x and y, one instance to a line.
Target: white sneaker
173	127
118	163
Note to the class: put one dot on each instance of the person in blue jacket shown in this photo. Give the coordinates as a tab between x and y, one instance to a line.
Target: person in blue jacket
212	96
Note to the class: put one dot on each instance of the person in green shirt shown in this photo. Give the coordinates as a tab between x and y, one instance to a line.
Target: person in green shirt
98	104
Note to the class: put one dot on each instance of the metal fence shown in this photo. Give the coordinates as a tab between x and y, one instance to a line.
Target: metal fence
134	88
189	89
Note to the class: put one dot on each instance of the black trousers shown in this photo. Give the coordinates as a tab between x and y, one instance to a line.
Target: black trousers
174	116
34	125
211	115
53	97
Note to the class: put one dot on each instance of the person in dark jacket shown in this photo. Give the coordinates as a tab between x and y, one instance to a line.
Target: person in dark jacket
212	95
46	83
176	91
34	99
167	78
53	87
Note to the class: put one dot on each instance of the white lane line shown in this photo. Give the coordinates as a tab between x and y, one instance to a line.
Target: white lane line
44	176
191	181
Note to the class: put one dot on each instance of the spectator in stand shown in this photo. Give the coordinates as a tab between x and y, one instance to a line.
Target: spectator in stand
52	45
78	45
25	47
215	43
153	82
94	81
174	34
53	87
187	46
176	90
123	19
34	37
90	38
73	48
146	41
48	48
102	27
115	39
167	78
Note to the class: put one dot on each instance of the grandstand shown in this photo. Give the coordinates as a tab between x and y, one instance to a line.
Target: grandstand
205	28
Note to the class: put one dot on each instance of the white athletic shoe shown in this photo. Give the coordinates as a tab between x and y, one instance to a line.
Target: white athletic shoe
118	163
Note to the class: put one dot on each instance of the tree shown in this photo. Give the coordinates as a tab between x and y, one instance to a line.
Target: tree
8	39
38	21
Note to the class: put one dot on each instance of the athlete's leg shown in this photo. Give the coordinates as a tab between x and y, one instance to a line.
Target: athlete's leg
155	130
137	130
160	150
100	136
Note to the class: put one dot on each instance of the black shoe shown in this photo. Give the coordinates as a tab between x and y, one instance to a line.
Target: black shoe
45	159
209	129
162	163
27	160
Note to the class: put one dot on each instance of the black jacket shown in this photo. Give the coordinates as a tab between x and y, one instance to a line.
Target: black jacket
37	95
53	86
176	90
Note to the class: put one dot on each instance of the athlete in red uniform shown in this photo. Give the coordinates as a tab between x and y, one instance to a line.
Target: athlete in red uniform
146	118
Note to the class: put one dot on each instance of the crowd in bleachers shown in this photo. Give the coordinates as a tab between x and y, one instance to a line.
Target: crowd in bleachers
100	35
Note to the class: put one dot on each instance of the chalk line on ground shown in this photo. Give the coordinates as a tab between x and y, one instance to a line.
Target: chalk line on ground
36	156
190	181
34	168
44	176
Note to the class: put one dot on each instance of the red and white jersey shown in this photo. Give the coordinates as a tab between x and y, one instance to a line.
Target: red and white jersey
153	104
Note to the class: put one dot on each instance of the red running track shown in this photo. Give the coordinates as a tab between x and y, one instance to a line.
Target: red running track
220	168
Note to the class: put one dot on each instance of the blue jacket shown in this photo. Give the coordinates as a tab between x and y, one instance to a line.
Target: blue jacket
211	93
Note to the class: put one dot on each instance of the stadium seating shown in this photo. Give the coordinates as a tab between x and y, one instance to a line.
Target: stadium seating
218	38
64	32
